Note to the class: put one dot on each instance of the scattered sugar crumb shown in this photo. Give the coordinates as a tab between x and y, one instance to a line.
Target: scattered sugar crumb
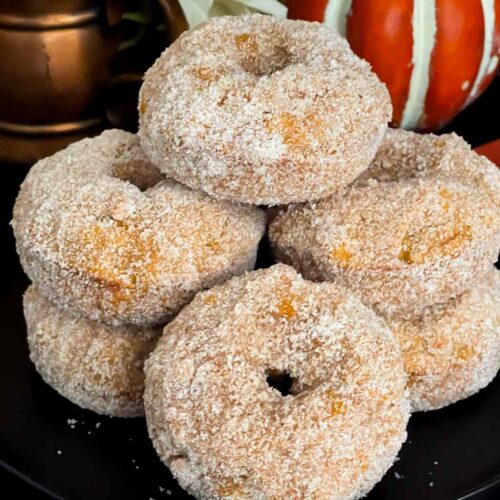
169	492
398	476
431	484
97	425
161	488
72	422
435	462
59	452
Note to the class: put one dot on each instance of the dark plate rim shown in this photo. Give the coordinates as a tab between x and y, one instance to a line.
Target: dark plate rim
467	495
482	488
29	480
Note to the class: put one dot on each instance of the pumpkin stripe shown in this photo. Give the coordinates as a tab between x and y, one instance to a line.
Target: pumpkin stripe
387	45
460	33
489	32
435	56
336	15
424	37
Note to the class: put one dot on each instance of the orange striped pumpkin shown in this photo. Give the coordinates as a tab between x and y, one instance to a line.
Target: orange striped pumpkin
435	56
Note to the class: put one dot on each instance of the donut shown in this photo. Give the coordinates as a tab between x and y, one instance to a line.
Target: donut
95	366
99	233
284	103
452	350
219	419
420	227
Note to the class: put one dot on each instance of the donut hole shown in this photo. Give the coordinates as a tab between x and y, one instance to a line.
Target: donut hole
264	63
281	381
263	66
142	174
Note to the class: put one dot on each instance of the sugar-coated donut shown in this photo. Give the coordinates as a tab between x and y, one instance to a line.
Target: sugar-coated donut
100	233
452	350
420	227
95	366
262	110
224	431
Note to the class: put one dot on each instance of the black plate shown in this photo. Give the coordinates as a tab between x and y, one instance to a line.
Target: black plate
449	454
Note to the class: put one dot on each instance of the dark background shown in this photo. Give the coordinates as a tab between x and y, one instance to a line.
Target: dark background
478	124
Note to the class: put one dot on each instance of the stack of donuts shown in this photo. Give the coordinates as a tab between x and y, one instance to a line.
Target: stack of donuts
267	383
416	237
114	251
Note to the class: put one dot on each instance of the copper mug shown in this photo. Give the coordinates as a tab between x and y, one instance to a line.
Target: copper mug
54	65
55	76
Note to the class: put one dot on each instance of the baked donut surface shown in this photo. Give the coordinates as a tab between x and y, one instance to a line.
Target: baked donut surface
95	366
452	350
224	430
421	226
99	232
262	110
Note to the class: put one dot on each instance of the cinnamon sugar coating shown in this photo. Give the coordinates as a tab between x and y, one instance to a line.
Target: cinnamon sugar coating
262	110
224	432
95	366
101	233
421	226
452	350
